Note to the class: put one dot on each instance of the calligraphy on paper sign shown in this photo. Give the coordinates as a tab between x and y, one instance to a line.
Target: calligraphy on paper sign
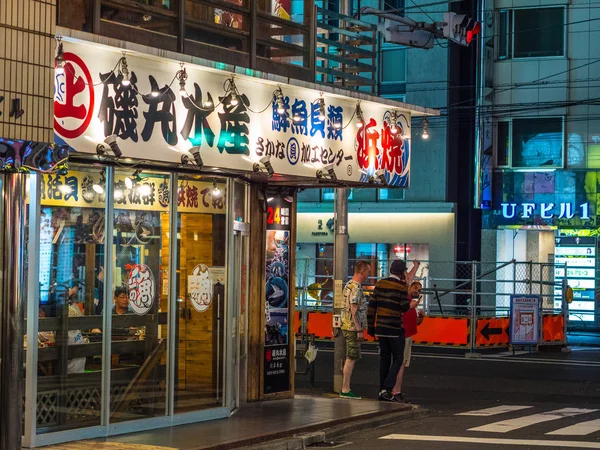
200	287
142	289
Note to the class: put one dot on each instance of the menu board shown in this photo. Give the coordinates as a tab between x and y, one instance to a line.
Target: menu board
579	255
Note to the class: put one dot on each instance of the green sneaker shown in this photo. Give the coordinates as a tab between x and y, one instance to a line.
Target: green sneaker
350	394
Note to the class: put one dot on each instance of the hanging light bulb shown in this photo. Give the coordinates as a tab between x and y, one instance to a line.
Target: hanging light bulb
279	102
131	181
394	122
216	192
360	122
154	93
322	109
125	72
337	125
119	194
425	134
297	117
182	77
232	91
99	187
59	62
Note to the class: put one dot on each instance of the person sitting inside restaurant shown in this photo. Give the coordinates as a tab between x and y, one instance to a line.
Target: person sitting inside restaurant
121	299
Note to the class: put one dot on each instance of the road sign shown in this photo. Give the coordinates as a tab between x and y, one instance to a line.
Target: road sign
525	319
492	332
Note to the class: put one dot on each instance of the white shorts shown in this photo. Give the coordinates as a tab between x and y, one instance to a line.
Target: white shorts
407	351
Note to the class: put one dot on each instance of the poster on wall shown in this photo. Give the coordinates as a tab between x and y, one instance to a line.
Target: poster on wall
525	319
277	296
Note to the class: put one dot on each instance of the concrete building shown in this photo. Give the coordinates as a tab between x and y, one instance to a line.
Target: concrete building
422	221
539	140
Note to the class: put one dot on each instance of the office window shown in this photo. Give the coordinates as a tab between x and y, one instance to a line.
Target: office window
505	21
537	142
393	64
503	144
531	33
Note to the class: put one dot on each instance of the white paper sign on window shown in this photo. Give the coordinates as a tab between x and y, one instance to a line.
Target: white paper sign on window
200	287
142	289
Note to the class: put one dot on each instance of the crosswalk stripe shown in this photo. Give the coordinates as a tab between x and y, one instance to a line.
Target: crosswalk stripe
505	426
493	411
548	443
579	429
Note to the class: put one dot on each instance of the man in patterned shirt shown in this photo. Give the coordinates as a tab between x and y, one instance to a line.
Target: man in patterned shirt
354	321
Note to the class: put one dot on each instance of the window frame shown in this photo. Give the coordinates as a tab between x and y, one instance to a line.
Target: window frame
510	34
510	165
388	48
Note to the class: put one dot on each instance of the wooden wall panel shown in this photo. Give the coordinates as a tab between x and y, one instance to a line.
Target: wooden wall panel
27	46
256	304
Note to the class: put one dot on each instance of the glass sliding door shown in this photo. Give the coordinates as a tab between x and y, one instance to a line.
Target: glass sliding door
201	293
69	341
139	287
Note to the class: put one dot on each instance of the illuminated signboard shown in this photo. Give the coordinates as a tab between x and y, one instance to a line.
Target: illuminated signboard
159	115
579	256
545	210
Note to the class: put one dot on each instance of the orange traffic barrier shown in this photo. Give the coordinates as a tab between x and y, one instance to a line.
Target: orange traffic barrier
450	331
492	332
553	328
319	324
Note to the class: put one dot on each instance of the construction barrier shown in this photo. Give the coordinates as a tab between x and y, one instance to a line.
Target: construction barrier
492	332
447	331
443	331
553	329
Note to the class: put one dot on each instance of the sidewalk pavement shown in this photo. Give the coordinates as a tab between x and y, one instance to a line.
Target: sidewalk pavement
277	424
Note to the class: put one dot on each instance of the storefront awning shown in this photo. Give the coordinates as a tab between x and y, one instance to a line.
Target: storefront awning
144	108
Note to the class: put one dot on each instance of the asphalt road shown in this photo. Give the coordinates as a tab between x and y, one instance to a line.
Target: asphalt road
534	394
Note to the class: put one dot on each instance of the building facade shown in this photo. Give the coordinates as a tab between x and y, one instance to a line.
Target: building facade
419	222
539	141
150	238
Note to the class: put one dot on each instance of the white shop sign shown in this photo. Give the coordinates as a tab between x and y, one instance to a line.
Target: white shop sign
91	103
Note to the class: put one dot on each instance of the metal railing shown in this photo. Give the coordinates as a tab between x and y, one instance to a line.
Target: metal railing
317	45
474	290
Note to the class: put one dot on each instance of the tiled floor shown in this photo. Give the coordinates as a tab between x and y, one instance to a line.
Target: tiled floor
252	423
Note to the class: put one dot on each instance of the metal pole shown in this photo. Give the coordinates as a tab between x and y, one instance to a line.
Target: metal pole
473	304
173	309
109	224
530	267
33	294
340	275
12	310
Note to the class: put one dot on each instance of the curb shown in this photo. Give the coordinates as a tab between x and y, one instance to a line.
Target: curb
302	440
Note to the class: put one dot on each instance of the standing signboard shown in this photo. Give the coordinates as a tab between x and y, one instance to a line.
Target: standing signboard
525	319
277	296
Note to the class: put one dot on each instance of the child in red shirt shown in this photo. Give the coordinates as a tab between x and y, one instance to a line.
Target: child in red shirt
410	320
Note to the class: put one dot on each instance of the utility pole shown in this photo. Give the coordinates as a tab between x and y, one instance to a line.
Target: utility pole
340	278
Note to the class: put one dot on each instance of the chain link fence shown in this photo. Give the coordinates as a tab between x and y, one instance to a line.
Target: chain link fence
450	288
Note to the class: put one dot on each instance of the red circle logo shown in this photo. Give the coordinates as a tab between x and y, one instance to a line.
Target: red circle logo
73	98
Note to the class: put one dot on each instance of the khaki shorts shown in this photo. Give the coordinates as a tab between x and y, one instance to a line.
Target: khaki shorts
407	351
352	345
